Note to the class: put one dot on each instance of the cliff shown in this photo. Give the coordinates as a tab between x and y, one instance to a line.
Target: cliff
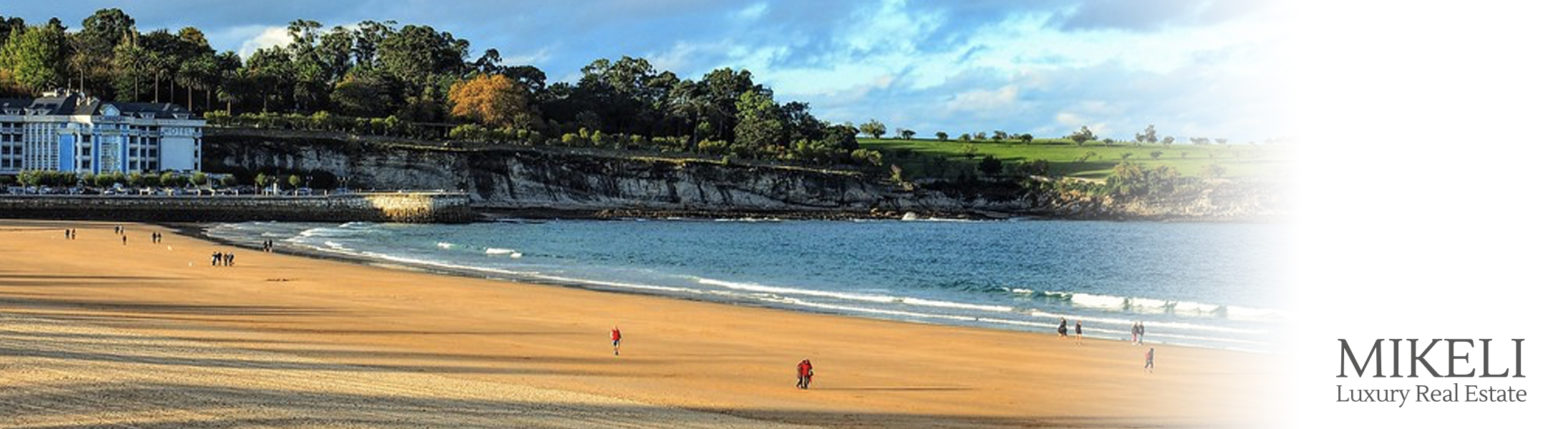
586	181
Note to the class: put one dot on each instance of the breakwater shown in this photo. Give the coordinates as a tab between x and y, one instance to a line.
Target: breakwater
407	207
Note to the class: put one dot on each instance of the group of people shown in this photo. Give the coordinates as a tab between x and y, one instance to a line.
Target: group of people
266	245
157	237
70	233
1137	333
1061	330
224	259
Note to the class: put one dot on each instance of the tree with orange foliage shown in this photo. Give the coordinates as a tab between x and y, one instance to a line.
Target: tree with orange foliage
491	99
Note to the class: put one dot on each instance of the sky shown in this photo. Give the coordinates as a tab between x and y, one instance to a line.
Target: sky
1195	68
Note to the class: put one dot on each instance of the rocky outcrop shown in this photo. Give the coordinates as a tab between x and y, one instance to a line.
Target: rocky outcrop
586	181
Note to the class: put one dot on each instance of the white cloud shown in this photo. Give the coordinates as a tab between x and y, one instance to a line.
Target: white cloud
536	56
752	12
999	101
261	37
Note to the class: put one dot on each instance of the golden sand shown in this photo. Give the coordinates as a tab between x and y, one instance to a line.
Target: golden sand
143	334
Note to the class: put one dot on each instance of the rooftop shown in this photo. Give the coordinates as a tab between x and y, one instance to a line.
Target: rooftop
75	104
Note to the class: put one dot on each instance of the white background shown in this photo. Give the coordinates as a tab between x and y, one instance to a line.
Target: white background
1433	170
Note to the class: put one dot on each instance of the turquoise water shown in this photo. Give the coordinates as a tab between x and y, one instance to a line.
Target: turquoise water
1209	285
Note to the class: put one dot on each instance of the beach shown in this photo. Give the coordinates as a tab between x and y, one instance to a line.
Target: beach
96	332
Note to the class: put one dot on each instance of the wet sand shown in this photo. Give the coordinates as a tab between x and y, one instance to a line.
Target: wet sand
99	333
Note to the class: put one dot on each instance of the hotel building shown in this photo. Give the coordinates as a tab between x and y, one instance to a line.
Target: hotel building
67	131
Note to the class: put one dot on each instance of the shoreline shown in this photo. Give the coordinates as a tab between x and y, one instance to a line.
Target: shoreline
199	231
689	355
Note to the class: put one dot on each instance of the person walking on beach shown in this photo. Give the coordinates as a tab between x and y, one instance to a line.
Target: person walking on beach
215	257
123	240
803	373
228	260
1148	360
1061	330
1078	329
615	339
1141	333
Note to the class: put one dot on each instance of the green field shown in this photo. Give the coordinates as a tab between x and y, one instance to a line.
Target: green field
1237	160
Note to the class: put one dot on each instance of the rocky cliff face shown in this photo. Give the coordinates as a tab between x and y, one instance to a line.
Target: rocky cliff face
560	179
571	180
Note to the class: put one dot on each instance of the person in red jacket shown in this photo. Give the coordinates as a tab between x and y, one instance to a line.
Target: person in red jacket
615	339
803	373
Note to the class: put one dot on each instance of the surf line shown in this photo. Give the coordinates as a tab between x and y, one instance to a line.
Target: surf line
1372	395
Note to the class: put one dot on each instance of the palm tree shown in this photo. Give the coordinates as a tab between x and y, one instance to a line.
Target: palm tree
196	74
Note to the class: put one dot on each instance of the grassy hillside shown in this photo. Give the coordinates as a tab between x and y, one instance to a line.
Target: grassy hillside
1237	160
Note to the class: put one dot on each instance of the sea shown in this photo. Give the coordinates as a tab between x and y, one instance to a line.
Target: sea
1211	285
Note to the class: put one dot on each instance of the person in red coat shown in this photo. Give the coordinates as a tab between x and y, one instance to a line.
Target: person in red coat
803	373
615	339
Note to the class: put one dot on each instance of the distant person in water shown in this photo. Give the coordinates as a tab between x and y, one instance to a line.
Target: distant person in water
1061	330
1078	329
803	373
615	339
1148	360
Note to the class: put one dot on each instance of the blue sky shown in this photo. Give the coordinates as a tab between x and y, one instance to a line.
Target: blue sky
1192	68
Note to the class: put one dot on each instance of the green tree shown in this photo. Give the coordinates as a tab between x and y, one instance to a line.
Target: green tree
1084	134
906	134
169	179
36	57
1148	135
364	95
760	123
941	136
1026	138
199	73
873	128
131	64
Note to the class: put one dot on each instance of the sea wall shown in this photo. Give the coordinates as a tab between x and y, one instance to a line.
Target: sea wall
410	207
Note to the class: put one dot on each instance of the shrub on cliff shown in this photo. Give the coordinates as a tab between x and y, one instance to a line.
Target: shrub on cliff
1136	180
990	166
